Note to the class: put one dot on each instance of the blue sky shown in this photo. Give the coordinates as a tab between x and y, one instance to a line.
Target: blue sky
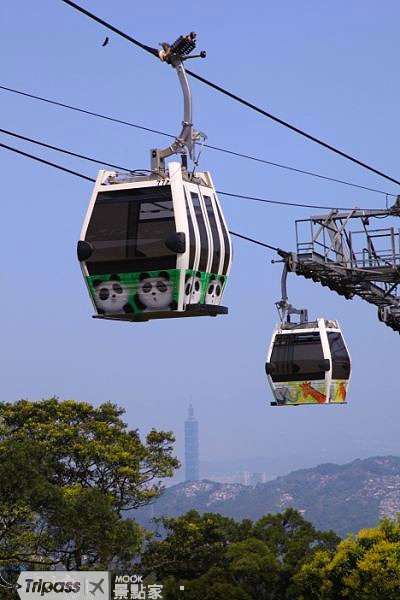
329	68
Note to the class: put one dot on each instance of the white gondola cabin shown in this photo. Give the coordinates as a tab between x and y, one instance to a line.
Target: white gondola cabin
308	363
155	246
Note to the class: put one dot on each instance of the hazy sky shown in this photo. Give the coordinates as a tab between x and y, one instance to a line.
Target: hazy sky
327	67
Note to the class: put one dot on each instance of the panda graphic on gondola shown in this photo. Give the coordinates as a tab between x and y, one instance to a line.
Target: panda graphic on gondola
155	293
112	296
193	288
214	289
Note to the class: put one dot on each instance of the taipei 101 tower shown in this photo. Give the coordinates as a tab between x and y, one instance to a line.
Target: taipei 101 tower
191	447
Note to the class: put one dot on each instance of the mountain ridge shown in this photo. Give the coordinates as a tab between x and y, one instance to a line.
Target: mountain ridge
344	498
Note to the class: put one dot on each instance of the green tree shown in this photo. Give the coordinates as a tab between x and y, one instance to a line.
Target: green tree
192	544
209	552
364	567
210	586
254	567
68	471
293	540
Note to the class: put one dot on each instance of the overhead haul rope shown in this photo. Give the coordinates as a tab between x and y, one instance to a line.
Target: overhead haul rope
283	253
216	148
58	149
47	162
263	112
222	193
77	174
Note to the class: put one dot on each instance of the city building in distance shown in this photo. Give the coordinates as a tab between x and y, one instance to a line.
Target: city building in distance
191	447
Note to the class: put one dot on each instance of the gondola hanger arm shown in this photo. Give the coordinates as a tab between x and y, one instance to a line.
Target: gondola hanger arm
284	307
175	55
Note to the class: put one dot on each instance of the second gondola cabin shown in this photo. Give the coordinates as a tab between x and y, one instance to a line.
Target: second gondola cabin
308	363
155	246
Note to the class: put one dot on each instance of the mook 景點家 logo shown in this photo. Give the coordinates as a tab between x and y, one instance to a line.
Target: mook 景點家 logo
127	586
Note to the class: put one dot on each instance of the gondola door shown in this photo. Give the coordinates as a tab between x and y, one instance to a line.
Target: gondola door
213	258
197	275
222	258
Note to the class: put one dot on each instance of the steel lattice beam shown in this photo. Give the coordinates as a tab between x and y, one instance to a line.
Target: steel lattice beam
363	261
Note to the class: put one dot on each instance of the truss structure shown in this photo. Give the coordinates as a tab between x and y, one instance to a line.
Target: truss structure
351	254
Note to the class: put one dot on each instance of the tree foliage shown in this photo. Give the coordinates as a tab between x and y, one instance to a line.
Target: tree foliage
68	471
209	552
364	567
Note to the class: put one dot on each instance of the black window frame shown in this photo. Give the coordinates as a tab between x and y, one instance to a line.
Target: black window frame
201	223
192	237
216	257
341	365
132	257
289	366
225	235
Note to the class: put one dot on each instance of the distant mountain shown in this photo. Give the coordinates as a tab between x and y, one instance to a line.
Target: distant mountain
344	498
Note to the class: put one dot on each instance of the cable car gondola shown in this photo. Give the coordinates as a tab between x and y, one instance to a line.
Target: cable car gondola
156	245
307	362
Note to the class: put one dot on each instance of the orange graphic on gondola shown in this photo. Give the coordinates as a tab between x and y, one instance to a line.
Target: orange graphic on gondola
308	390
341	393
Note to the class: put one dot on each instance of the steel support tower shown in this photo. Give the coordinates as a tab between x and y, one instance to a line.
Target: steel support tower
353	255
